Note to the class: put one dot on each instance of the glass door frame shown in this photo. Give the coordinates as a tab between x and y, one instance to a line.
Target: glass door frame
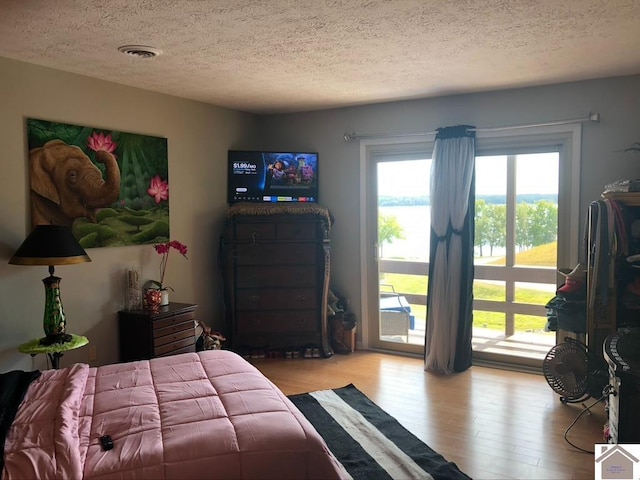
566	137
371	152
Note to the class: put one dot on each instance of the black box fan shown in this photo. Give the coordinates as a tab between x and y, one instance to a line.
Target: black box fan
573	373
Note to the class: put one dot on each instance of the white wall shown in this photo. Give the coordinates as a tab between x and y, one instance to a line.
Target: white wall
199	136
603	159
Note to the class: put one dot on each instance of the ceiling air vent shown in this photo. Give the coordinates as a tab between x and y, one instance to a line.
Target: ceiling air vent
140	51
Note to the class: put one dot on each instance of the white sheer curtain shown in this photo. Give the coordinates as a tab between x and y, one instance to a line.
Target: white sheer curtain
452	175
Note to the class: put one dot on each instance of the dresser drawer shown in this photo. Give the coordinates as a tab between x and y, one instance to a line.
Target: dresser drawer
286	322
164	322
276	299
255	232
276	254
170	348
174	329
174	337
297	231
281	276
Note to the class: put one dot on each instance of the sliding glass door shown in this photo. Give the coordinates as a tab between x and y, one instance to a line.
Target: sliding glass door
516	252
399	247
403	217
526	226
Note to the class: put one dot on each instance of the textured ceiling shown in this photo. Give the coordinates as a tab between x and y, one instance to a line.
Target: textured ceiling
269	56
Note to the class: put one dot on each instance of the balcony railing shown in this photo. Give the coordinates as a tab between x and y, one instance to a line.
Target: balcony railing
524	344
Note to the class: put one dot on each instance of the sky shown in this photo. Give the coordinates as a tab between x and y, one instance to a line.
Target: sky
536	173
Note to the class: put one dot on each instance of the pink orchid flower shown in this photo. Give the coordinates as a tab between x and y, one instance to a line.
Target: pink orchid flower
98	141
163	249
159	189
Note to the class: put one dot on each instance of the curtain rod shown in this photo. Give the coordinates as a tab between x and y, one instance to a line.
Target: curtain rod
592	117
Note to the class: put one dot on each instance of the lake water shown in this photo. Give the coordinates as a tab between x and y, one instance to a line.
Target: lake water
416	224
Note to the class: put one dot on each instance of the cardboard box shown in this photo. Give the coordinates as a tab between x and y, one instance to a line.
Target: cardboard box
349	338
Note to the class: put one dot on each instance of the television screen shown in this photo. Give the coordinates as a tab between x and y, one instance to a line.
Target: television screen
256	176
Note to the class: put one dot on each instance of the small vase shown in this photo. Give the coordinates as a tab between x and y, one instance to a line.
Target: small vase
152	299
164	297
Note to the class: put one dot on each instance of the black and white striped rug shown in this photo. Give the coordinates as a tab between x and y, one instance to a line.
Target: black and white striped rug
369	442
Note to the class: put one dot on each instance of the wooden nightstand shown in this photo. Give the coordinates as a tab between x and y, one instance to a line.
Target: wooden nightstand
147	334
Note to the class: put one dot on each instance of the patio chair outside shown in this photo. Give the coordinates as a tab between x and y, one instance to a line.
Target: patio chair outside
394	316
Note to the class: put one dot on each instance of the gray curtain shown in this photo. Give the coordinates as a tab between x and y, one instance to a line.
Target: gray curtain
450	292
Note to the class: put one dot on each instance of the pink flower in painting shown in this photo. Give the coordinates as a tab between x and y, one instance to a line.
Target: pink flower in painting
159	189
98	141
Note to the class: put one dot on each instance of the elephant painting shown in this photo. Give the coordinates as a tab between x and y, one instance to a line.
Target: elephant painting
66	185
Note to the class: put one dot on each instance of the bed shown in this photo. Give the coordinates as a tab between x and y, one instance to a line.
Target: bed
197	415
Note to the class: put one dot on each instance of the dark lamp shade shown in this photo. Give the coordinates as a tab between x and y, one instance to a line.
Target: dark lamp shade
50	245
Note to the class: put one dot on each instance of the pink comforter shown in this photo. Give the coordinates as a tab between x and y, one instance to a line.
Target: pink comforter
197	415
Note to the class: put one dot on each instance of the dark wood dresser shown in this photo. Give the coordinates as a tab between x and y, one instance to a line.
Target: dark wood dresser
145	334
275	263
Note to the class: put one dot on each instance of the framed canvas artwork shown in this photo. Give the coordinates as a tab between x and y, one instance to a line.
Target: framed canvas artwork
110	187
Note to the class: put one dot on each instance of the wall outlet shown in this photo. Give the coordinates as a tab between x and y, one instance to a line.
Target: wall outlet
93	353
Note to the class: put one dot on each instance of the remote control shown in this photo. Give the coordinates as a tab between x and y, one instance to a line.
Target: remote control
107	442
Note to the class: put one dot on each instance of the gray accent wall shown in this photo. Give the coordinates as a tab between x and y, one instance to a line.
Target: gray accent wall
617	100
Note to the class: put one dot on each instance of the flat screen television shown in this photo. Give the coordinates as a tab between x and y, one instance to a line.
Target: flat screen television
272	177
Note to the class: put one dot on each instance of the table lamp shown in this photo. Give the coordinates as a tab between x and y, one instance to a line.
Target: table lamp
51	245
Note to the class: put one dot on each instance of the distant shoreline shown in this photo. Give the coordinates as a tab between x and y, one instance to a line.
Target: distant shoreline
424	200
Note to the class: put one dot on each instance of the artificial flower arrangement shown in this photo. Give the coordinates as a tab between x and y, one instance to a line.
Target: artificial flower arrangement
164	249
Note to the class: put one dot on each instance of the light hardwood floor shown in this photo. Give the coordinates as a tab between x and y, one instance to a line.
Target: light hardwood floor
494	424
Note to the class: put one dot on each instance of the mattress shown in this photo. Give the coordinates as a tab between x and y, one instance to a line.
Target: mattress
197	415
